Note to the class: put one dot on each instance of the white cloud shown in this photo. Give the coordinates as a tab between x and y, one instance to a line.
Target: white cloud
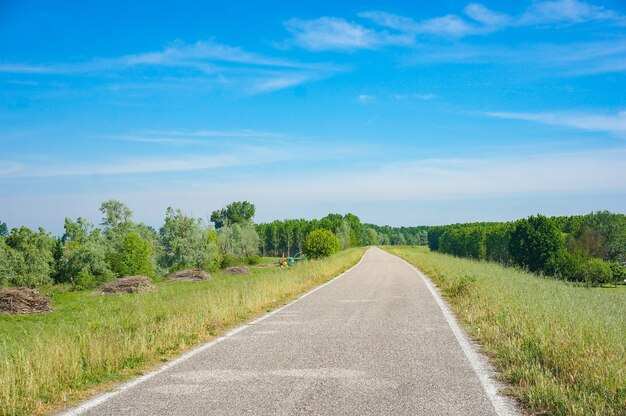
333	33
190	137
139	165
425	97
564	11
364	98
488	17
227	65
485	20
607	123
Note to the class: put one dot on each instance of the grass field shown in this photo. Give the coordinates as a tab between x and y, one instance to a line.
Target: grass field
562	348
91	341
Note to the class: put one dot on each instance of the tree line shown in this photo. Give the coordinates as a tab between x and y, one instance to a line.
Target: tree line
288	236
87	255
584	248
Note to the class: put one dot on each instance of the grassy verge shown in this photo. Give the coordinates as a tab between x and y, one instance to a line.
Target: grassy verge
562	348
90	342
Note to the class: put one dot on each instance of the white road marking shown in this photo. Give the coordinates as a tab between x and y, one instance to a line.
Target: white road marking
96	401
501	404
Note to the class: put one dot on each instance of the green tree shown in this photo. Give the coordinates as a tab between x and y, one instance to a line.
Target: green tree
321	243
136	257
234	213
4	230
11	265
344	235
534	241
239	241
187	243
371	237
115	213
83	260
36	249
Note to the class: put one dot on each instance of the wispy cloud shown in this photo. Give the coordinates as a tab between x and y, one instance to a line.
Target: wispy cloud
228	65
479	19
333	33
364	98
607	123
564	11
425	97
191	137
338	34
141	165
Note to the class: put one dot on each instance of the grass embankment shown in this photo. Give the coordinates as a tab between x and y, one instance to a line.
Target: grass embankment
90	341
562	348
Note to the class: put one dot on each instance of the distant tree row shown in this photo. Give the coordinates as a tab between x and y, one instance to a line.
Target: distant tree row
395	236
587	248
288	236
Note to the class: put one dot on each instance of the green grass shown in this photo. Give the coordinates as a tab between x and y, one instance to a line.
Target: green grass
90	342
561	347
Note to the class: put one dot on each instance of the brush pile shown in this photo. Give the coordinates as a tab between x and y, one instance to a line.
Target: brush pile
129	284
193	275
23	301
237	270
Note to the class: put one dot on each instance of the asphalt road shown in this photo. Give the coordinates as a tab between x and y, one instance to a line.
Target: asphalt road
374	341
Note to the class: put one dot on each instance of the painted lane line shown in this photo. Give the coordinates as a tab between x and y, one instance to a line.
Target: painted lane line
98	400
501	404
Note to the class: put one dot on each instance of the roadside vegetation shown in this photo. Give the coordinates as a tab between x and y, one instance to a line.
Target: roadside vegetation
589	249
561	346
90	341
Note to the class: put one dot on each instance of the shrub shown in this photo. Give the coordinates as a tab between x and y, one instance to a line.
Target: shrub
321	243
596	271
136	257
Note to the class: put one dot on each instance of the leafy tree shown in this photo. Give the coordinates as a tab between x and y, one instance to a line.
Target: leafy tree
234	213
596	271
590	243
84	264
344	234
398	239
4	230
321	243
239	241
613	228
11	265
534	241
36	250
78	231
83	260
371	237
187	243
115	213
136	257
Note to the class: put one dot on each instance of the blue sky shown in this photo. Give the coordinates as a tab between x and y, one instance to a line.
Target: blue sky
404	113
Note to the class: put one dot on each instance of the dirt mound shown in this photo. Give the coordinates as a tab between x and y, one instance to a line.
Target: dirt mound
237	270
22	301
194	275
129	284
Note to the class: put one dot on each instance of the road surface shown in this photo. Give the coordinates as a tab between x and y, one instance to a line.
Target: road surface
375	341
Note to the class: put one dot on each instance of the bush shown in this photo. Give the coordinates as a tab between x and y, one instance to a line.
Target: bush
321	243
136	257
596	271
